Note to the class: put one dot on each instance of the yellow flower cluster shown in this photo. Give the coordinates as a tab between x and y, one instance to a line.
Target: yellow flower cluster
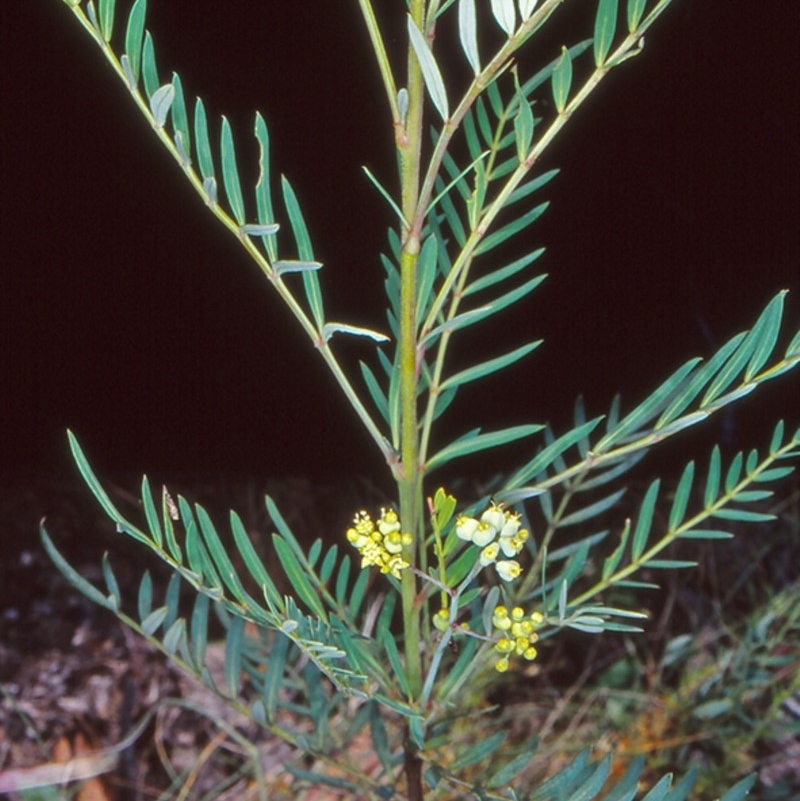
518	634
497	532
380	544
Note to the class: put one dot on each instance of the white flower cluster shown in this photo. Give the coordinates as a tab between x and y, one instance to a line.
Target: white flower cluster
497	532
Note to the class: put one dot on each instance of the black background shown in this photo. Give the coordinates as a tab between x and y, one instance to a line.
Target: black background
128	314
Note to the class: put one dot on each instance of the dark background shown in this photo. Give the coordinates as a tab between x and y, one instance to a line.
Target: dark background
129	315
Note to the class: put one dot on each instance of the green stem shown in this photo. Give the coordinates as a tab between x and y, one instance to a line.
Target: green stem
409	480
408	137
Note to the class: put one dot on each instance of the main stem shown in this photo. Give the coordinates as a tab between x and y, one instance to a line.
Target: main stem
409	141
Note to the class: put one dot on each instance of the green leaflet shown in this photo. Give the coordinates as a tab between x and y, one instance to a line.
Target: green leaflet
219	556
316	778
644	521
510	770
734	471
426	274
477	197
106	11
161	102
573	569
386	195
546	73
482	749
508	230
612	562
635	11
458	177
180	122
773	474
543	459
394	393
328	563
154	620
567	551
458	568
765	333
592	510
743	515
490	366
523	123
72	575
99	493
314	553
151	514
560	785
475	442
605	26
752	353
713	478
471	135
392	293
196	553
112	585
134	35
467	31
777	438
430	70
451	217
298	577
684	786
495	100
705	534
660	790
503	273
593	781
198	630
669	564
618	468
167	512
230	172
172	598
174	639
396	661
380	738
681	498
149	70
305	252
696	384
204	157
460	321
741	789
562	80
273	683
234	647
376	393
528	187
514	295
144	599
264	209
505	14
646	410
317	703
